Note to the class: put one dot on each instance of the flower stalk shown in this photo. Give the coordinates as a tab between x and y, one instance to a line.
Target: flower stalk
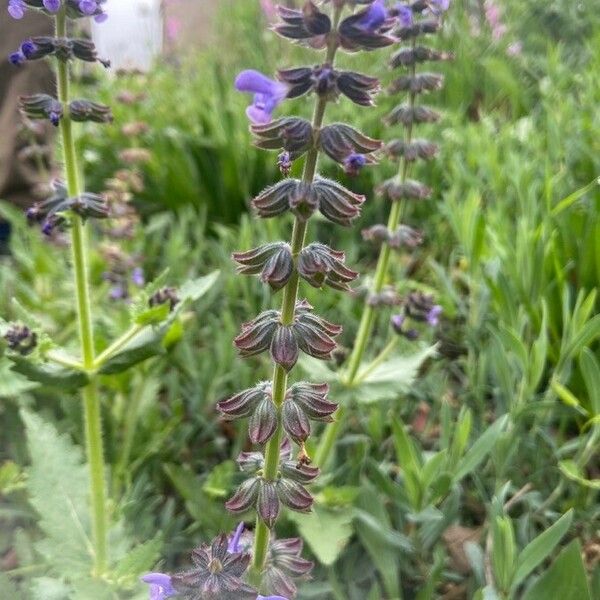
91	402
277	412
353	375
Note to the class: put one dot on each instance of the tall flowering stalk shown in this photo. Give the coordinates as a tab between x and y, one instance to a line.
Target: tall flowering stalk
415	20
71	205
278	411
70	208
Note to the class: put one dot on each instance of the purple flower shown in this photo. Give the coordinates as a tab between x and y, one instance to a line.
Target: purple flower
28	48
438	7
270	598
405	15
16	9
100	17
160	586
137	277
17	58
354	162
433	315
88	7
52	6
234	546
268	93
374	16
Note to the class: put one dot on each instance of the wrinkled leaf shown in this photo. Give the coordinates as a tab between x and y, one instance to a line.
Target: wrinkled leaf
51	375
327	532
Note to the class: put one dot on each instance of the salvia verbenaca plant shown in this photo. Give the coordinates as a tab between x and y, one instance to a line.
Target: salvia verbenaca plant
280	412
415	21
71	209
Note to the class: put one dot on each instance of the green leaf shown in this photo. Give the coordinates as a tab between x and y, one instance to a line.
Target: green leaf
504	551
541	547
219	481
572	198
374	529
145	345
12	384
391	378
67	380
565	579
567	397
480	449
585	336
194	290
154	315
138	561
590	369
49	588
571	470
58	490
327	532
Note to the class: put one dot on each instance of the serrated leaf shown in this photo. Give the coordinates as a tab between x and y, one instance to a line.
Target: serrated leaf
480	449
138	560
58	490
49	588
65	379
327	532
12	384
541	547
391	378
565	579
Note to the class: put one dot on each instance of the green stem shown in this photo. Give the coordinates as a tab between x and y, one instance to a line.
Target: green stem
367	322
262	533
92	416
117	345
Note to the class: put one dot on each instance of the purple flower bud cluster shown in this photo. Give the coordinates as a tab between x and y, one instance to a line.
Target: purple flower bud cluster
75	9
21	339
219	568
51	212
419	308
63	48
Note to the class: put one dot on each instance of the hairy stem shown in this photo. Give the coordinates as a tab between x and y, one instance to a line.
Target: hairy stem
288	308
92	416
367	322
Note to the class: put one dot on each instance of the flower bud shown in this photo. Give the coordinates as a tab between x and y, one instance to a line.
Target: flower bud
166	295
41	106
308	25
412	150
394	190
284	347
293	495
86	110
320	265
263	422
336	203
21	339
295	422
421	307
366	30
244	403
292	134
312	399
273	261
303	473
267	503
357	87
406	57
408	115
417	28
256	335
339	141
245	496
417	84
